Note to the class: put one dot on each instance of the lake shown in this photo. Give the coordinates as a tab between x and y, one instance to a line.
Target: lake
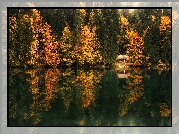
90	97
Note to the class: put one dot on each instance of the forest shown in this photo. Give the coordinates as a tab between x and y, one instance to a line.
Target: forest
49	43
88	37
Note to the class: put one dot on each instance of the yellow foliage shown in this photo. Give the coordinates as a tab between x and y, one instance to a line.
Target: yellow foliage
88	49
136	43
164	110
164	23
66	46
83	13
135	88
88	81
135	48
124	21
52	56
42	98
153	18
51	46
12	23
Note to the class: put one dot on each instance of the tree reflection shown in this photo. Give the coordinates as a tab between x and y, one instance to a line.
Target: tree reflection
135	89
66	87
18	96
89	98
42	96
88	83
164	110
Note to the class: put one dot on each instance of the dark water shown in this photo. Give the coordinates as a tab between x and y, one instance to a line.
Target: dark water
54	97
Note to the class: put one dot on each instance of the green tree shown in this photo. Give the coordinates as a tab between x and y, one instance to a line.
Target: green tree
20	36
108	32
122	37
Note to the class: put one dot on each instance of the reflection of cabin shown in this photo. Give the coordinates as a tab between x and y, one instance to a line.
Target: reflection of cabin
123	73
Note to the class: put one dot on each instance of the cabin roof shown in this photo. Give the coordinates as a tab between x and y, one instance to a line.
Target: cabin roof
121	57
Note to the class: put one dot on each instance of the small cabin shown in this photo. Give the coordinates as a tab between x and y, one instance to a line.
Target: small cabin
121	58
121	61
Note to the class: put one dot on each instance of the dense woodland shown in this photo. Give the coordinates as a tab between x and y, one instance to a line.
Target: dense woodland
89	37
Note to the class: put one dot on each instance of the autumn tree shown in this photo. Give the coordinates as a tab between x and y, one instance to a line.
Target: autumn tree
135	48
36	26
67	47
43	47
51	47
88	49
165	33
152	43
157	46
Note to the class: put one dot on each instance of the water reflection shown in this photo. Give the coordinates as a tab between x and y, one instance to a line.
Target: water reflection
54	97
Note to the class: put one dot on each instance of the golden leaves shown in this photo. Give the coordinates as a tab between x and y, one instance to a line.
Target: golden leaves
12	23
35	23
153	18
88	81
124	21
66	47
164	110
51	54
135	48
88	51
42	98
83	13
164	23
165	20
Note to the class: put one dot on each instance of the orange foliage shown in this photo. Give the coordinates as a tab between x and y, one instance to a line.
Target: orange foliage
153	18
165	23
124	21
88	49
135	48
12	24
164	110
36	25
51	80
83	13
41	98
49	44
136	45
135	88
52	56
88	81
